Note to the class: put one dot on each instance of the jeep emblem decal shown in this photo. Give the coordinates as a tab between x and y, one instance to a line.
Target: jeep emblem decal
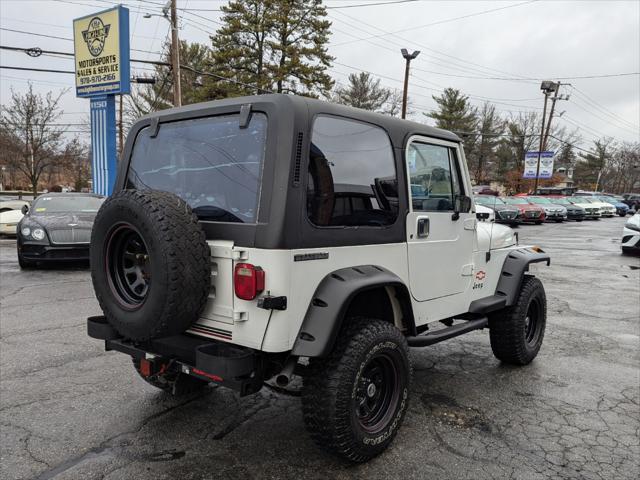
95	35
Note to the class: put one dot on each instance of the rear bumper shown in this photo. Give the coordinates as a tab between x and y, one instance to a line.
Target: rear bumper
40	252
238	368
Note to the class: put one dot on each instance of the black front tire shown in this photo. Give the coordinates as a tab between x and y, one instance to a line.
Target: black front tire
24	263
517	331
354	401
175	383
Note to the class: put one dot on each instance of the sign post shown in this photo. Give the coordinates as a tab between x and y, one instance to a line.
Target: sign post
101	51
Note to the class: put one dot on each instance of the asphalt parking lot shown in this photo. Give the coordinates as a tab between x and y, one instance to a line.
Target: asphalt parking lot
70	410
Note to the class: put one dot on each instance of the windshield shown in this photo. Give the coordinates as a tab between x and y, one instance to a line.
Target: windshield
578	200
75	204
211	163
486	200
561	201
607	199
515	201
539	200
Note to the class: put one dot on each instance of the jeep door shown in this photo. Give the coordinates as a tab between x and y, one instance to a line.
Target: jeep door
439	239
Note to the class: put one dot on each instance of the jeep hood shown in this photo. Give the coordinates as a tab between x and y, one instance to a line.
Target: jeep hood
492	236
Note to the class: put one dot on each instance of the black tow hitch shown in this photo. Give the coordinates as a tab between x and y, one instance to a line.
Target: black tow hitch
232	366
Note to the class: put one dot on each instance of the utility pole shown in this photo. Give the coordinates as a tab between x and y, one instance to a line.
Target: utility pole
408	57
547	87
175	55
555	98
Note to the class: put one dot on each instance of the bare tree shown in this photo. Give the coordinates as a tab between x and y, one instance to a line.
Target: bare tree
30	118
75	160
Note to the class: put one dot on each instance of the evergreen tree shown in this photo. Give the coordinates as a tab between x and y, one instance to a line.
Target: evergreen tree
274	45
566	158
363	92
483	153
195	87
298	44
454	112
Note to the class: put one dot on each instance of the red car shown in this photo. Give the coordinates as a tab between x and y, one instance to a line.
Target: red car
529	213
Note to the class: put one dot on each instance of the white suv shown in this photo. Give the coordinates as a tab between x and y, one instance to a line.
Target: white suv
257	238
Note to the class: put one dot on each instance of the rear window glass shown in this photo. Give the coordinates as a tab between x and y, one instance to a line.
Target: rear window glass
211	163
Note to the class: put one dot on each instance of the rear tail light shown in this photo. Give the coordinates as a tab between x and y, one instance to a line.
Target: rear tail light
248	281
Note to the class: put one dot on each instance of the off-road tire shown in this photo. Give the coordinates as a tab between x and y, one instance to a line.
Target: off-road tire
175	383
332	385
511	341
177	268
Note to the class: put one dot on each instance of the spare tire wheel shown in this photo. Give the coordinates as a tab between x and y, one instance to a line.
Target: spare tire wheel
150	264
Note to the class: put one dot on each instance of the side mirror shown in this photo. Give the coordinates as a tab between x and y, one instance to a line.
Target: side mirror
462	204
24	209
482	216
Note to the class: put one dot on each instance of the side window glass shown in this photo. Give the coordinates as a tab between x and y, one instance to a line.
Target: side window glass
434	177
352	178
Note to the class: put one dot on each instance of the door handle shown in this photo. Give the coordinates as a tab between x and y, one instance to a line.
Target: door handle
423	227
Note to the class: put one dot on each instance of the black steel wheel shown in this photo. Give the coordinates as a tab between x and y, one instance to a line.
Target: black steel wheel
128	266
377	393
354	400
517	331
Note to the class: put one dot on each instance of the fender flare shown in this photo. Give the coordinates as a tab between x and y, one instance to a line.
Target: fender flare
328	307
513	270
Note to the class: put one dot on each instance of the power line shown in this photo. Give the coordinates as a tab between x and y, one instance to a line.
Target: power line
57	37
603	109
451	63
447	20
29	69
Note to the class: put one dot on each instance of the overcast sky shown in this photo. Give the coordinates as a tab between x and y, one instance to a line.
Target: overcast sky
525	40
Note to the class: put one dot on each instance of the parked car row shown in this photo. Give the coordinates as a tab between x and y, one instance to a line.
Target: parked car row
537	209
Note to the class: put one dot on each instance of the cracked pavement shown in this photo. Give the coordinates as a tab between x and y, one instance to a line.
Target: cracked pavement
70	410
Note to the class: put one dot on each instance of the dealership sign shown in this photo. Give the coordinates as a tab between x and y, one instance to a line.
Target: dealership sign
531	164
101	46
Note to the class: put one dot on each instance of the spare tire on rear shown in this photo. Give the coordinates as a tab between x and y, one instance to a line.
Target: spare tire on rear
150	264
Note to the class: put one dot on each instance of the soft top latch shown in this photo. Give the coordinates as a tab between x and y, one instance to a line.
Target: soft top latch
245	115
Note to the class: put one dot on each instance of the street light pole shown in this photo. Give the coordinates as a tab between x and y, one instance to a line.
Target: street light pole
175	56
408	57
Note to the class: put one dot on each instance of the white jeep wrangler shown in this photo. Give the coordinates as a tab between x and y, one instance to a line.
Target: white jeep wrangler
257	238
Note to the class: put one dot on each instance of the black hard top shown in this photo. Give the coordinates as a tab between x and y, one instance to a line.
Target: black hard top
282	220
397	128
